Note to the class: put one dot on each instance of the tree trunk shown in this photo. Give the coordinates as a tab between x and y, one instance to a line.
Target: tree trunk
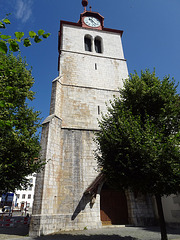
161	218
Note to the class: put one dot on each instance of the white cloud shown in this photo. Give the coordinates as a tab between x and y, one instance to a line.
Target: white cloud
24	9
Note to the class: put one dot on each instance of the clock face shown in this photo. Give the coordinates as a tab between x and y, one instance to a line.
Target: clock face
92	22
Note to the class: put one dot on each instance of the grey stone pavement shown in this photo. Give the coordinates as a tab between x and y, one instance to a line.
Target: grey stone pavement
105	233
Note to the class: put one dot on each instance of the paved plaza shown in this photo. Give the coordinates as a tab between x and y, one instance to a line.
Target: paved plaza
105	233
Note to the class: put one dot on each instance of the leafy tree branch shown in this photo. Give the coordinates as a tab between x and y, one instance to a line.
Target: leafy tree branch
8	42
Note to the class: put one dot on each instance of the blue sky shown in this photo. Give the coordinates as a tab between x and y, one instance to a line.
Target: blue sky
151	35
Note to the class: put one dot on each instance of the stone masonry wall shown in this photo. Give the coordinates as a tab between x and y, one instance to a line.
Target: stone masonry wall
63	203
83	111
141	209
73	40
171	207
86	81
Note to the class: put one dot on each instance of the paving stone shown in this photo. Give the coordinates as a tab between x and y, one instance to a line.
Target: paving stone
105	233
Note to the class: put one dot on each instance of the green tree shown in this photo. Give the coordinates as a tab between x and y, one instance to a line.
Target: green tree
19	144
138	141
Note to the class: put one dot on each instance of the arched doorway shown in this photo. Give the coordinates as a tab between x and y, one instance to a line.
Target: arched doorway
113	206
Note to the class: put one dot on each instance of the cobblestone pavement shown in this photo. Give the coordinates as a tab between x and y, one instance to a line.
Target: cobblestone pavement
105	233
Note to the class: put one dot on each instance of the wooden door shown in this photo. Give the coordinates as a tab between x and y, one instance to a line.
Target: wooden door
113	207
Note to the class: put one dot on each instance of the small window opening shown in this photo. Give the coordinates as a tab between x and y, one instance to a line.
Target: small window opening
95	66
98	45
88	44
98	110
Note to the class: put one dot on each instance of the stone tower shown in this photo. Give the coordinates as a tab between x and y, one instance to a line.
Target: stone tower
91	69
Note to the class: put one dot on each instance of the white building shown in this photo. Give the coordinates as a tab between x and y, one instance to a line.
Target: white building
25	197
171	207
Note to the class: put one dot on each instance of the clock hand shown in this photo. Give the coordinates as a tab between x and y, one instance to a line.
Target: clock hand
93	22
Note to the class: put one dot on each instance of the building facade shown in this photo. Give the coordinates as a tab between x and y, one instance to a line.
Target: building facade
70	193
21	199
25	197
171	207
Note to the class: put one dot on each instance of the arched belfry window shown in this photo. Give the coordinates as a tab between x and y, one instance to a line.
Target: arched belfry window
98	44
88	43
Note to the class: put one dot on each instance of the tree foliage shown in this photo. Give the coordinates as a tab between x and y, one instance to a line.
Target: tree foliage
6	41
138	141
19	144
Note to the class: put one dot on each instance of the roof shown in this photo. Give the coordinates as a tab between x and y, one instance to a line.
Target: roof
93	187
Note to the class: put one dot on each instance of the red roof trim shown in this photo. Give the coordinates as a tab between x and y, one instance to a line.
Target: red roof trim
89	13
79	25
113	30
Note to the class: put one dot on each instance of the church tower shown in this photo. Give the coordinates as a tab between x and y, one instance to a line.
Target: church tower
91	69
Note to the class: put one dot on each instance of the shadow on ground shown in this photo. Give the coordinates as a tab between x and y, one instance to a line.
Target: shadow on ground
129	233
85	237
20	231
174	231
